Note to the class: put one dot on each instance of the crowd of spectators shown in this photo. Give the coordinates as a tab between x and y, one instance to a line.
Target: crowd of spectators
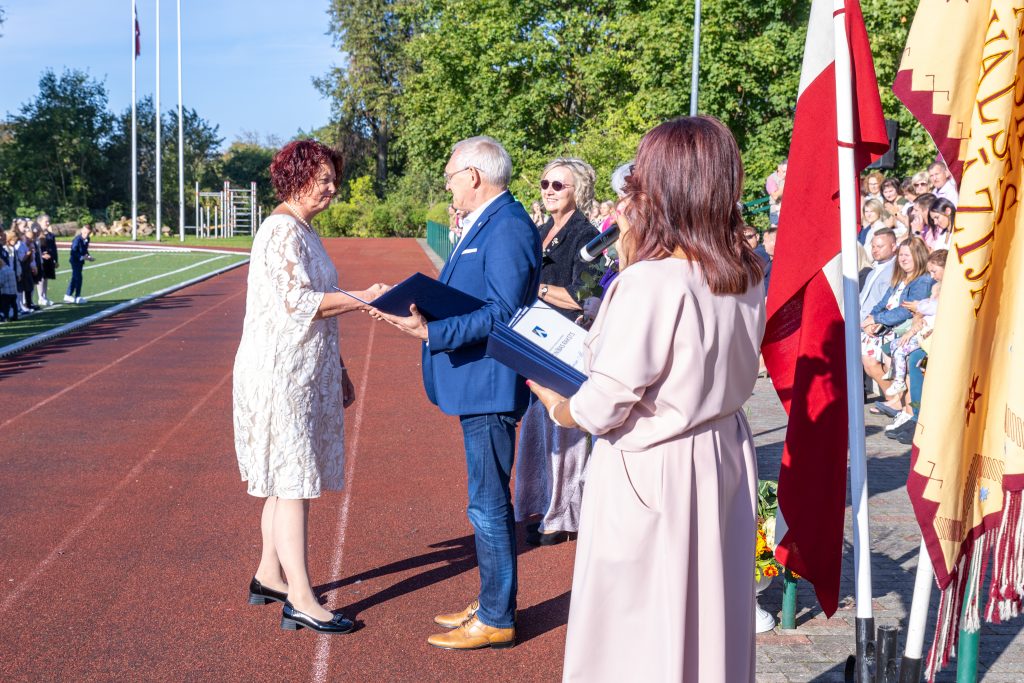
905	232
28	261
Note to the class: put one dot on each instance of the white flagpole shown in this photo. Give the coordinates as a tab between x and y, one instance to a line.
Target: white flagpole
159	151
851	315
181	143
695	75
913	655
135	168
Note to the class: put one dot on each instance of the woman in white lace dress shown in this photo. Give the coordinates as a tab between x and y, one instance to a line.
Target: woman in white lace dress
290	382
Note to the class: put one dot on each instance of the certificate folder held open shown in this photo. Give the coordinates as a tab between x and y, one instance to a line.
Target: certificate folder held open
541	345
435	300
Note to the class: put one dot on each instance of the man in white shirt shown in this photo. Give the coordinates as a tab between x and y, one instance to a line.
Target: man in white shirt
942	183
883	252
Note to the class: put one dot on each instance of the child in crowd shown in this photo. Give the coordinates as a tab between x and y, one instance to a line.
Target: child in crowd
79	255
921	328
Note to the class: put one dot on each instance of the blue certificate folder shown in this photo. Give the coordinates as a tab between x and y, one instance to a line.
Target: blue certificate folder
435	300
510	348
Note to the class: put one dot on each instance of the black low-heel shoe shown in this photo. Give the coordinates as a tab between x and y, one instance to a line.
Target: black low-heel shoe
261	595
293	620
550	539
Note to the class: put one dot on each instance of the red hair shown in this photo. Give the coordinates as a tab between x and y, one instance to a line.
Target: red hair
684	195
295	167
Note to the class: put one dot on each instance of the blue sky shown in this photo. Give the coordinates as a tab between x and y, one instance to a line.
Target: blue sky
246	66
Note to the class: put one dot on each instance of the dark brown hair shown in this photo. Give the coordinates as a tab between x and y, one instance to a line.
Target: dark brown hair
938	257
684	194
294	168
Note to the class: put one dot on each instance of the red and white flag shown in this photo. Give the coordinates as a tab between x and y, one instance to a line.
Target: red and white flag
803	345
138	35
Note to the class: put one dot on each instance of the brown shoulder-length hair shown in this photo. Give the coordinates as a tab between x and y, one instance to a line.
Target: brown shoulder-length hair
919	252
684	194
295	167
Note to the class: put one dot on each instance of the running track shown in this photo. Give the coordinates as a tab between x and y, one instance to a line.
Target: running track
127	540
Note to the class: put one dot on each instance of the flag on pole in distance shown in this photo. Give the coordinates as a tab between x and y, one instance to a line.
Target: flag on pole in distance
967	463
138	34
803	345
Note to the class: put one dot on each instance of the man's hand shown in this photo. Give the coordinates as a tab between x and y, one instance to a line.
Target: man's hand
415	325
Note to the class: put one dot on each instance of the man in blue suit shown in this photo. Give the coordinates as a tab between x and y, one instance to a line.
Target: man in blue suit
498	261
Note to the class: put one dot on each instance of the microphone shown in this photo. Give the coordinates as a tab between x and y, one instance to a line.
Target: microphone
596	246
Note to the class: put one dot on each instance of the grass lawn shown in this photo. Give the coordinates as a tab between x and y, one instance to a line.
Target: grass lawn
237	242
114	277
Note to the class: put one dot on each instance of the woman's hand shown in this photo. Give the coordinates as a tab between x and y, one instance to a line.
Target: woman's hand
868	322
910	306
546	396
375	291
348	390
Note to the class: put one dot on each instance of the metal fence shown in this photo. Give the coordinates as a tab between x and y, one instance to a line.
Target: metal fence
437	239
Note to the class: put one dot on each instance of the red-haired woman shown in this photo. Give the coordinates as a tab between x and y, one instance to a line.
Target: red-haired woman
662	588
290	382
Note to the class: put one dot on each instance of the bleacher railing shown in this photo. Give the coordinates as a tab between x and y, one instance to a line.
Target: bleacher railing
437	240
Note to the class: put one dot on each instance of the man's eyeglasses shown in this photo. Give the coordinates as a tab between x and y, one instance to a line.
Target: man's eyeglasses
448	176
556	185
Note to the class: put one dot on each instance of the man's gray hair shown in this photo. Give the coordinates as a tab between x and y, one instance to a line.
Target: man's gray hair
486	155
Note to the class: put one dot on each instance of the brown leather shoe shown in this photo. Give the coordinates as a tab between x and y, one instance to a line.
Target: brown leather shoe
473	635
455	620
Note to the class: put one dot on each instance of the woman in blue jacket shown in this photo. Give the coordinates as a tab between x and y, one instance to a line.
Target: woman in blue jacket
910	282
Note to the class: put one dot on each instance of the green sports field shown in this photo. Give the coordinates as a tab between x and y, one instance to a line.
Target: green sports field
113	278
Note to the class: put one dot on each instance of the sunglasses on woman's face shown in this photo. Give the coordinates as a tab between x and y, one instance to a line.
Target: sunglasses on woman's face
556	185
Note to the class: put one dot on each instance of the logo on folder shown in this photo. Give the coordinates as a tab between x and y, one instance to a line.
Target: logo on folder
539	331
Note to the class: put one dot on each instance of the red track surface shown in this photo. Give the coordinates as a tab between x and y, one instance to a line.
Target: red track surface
127	540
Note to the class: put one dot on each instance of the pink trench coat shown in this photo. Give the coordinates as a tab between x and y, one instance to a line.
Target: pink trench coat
663	588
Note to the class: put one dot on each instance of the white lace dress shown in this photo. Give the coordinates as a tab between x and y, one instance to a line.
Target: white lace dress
288	414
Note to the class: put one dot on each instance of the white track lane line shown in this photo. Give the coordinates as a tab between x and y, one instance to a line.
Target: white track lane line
107	263
114	493
321	657
108	366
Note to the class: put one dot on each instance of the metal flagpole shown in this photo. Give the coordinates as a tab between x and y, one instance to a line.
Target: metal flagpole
135	168
695	77
159	150
910	665
181	143
854	371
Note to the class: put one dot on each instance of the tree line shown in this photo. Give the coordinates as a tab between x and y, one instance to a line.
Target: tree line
584	78
66	154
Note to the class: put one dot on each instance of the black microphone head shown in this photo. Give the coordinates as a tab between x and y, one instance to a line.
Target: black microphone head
596	246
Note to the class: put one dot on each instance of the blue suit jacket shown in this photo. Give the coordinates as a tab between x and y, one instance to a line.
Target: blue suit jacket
498	262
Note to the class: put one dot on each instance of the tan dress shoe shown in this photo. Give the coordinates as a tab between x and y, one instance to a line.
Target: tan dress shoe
473	635
455	620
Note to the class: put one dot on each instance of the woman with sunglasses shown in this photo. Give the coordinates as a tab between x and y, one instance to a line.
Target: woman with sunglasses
551	460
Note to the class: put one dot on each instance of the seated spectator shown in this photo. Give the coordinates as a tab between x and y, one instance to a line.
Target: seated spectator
871	187
916	358
919	213
892	199
871	221
883	253
774	186
941	182
537	214
921	327
939	230
767	253
751	236
889	319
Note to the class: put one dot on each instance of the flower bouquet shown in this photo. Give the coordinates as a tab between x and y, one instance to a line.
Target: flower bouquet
765	564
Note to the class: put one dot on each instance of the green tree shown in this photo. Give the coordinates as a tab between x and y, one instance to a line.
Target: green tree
244	163
53	154
366	90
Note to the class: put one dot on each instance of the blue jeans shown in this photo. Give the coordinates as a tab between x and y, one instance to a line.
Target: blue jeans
490	450
75	284
915	378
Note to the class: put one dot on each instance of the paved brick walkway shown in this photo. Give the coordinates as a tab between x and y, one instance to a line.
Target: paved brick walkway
817	649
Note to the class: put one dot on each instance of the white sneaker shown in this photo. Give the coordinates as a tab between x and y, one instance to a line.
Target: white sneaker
901	419
897	388
69	299
81	300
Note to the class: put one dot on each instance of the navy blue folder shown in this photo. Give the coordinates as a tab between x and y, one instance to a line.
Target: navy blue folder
435	300
532	362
